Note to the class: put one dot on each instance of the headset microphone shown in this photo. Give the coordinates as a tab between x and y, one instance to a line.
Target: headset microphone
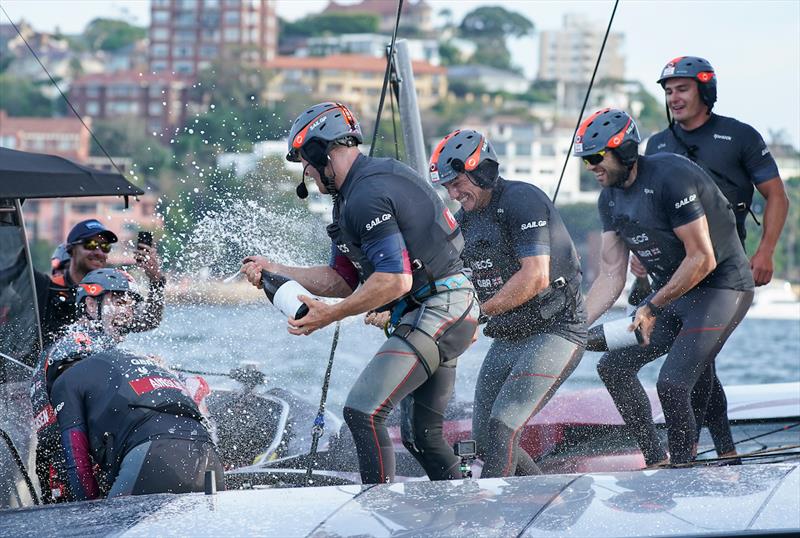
302	190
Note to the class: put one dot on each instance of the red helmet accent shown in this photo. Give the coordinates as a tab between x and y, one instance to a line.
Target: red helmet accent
587	122
92	289
438	151
617	139
474	160
705	76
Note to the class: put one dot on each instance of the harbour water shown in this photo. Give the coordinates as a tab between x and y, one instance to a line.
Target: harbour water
218	338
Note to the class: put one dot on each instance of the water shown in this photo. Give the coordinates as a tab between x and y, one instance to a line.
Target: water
218	338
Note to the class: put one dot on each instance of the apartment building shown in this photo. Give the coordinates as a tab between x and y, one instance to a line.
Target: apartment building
59	136
186	36
350	78
158	99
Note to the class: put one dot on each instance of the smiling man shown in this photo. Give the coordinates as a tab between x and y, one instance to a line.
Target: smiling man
88	245
528	277
737	159
670	214
394	246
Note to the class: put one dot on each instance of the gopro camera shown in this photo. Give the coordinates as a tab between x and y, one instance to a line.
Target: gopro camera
145	238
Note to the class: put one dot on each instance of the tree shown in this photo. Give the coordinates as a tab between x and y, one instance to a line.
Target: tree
20	97
489	27
330	24
111	34
129	139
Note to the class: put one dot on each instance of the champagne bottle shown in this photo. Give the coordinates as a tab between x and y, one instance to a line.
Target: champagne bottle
639	291
613	335
282	292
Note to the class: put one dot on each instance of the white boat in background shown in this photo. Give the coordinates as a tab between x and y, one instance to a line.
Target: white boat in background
776	300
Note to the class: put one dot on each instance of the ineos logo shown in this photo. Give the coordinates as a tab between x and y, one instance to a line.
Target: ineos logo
639	239
483	264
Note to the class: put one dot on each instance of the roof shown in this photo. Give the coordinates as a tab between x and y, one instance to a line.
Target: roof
38	175
348	62
379	7
476	70
12	125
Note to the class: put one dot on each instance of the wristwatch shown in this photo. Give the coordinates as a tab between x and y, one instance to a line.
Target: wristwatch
654	310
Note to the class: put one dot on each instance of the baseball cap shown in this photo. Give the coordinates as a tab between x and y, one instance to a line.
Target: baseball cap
90	228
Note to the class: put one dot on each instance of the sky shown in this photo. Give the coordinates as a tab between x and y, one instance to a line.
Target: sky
754	46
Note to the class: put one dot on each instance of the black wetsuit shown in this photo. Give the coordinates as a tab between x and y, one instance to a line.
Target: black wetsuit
538	344
109	405
388	219
736	157
671	191
79	342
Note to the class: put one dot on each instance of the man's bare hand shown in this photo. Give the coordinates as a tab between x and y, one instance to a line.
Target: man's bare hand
378	319
761	265
637	268
319	315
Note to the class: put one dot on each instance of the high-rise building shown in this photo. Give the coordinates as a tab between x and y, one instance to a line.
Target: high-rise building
569	54
186	36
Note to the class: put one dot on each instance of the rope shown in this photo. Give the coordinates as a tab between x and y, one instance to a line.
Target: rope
18	460
386	78
586	98
319	423
781	429
94	137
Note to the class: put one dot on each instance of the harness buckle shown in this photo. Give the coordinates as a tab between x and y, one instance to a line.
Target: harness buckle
559	283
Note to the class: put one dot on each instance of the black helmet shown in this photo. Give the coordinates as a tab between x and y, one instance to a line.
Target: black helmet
72	347
59	259
695	68
464	151
610	129
102	281
314	131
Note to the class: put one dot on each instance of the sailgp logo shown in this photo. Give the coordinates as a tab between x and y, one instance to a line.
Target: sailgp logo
685	201
534	224
377	220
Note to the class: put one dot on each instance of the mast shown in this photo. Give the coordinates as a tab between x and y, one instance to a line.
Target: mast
410	120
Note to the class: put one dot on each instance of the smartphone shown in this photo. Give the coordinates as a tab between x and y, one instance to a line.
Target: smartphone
145	238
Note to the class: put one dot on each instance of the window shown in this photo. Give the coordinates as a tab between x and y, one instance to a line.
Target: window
184	51
523	170
122	108
548	150
158	66
184	68
93	108
209	51
84	207
92	91
500	148
160	17
159	34
231	35
185	36
155	109
160	3
522	148
187	4
122	90
232	17
159	50
155	90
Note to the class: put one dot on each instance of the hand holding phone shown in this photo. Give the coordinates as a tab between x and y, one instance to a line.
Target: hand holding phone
144	238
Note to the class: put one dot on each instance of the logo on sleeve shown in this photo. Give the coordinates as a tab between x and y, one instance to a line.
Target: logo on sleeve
764	151
378	220
534	224
685	201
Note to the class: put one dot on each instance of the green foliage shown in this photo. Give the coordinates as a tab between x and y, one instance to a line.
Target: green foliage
128	139
651	119
580	219
495	23
330	24
22	98
40	254
787	251
488	27
111	34
449	54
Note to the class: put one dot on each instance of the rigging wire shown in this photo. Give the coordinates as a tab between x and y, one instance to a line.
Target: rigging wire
389	64
781	429
586	99
69	103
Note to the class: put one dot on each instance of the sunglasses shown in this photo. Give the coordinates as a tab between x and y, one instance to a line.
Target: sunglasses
93	244
595	158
